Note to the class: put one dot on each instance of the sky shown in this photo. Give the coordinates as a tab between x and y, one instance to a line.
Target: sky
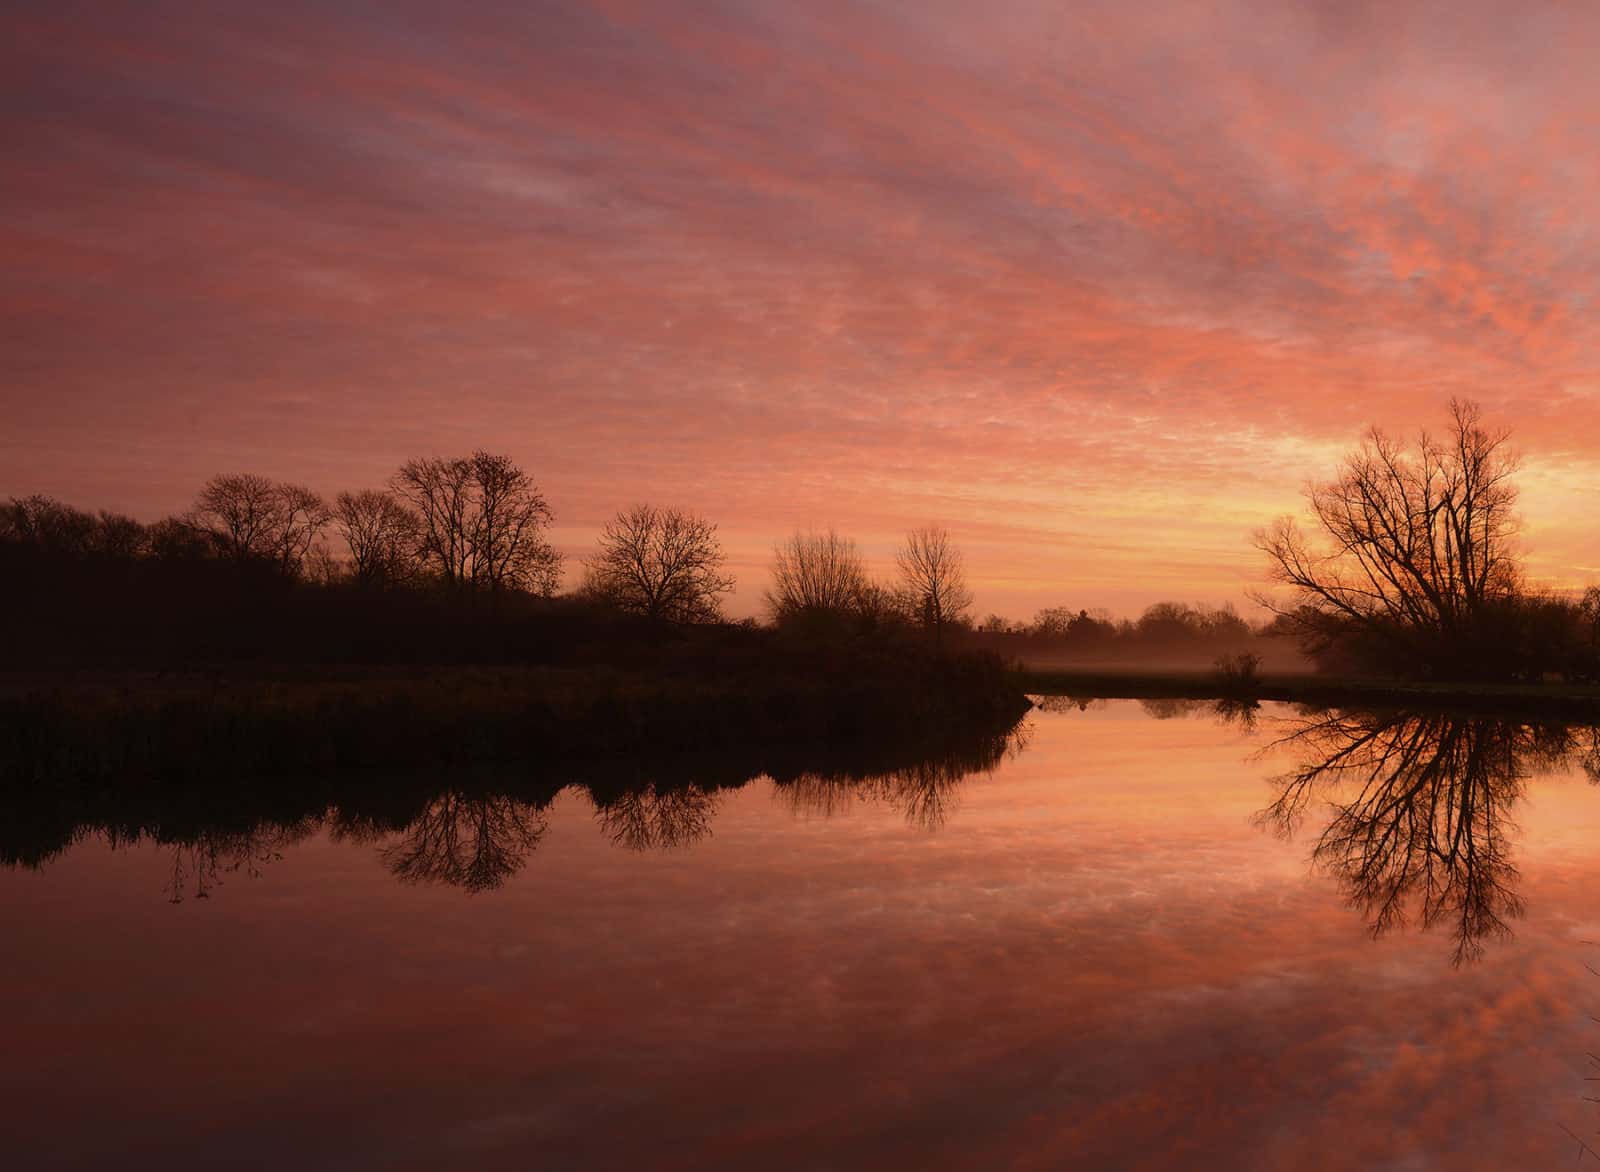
1098	287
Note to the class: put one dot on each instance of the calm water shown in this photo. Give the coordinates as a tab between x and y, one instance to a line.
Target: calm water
1136	943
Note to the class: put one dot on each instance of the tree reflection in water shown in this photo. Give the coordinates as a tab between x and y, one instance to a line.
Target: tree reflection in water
646	818
202	861
477	832
1419	813
926	791
475	843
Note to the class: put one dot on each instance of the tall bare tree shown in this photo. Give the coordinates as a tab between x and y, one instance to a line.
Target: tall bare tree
305	516
665	564
252	518
933	578
381	533
508	543
482	522
816	573
1410	547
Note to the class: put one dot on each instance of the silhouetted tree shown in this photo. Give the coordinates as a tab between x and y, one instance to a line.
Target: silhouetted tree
174	539
251	518
118	536
664	564
482	523
1588	623
1168	622
933	577
816	573
49	525
1052	622
1413	552
878	606
382	535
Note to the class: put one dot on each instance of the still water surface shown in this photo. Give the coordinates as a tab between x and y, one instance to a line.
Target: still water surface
1135	943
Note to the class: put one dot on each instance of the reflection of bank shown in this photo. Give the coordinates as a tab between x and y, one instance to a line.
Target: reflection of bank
475	831
1418	811
202	861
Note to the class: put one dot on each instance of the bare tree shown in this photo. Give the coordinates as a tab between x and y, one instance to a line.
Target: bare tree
508	543
304	517
664	564
1412	548
933	578
440	490
242	514
816	573
252	518
381	533
1589	621
482	522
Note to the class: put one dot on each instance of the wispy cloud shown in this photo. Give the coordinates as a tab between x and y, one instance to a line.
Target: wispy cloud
1092	284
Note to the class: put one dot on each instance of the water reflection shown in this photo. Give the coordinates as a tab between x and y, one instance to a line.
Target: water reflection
647	818
478	832
1229	711
201	863
472	842
926	791
1415	812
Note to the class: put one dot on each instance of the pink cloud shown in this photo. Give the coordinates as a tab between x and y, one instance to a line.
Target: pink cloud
1066	280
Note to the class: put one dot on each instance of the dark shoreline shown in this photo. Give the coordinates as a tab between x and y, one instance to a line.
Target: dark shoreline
1552	701
126	728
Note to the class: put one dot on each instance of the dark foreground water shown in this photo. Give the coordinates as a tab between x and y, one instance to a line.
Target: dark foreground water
1136	943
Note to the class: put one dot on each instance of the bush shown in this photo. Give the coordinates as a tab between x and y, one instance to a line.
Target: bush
1238	674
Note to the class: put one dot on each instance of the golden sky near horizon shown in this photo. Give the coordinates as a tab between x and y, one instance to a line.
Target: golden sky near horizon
1097	286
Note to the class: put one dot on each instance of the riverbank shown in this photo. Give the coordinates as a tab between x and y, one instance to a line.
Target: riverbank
1553	701
113	727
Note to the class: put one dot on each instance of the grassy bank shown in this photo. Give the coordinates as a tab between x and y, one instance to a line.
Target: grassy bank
1559	701
110	728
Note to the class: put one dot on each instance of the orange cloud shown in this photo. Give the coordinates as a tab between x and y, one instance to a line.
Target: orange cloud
1096	288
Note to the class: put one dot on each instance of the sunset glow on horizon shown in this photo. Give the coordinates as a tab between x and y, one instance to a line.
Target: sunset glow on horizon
1097	287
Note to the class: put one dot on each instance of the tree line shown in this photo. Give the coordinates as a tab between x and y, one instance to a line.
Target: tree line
1406	563
477	526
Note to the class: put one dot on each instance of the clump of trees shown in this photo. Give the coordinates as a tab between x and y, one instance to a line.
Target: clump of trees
466	524
382	535
1165	633
480	523
1407	564
470	527
820	583
250	518
816	575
